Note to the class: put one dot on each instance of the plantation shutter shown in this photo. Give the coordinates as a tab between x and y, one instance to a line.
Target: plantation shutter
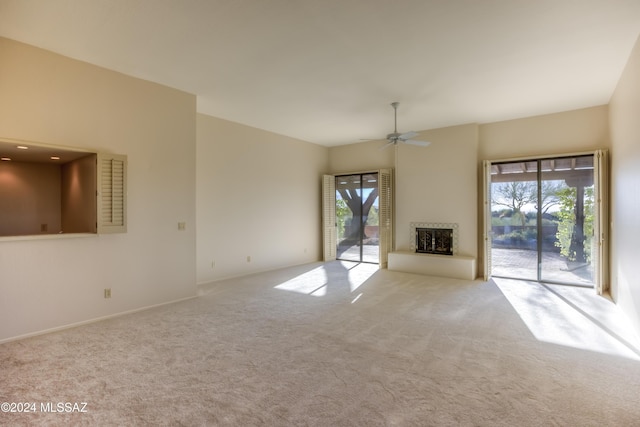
112	193
599	250
329	217
486	232
385	185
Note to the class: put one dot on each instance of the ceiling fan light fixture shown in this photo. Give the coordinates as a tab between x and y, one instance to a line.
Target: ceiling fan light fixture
395	137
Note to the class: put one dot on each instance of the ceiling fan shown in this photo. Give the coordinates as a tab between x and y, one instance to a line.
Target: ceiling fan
404	138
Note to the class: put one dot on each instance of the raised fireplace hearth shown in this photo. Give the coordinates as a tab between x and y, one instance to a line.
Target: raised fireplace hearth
456	266
433	263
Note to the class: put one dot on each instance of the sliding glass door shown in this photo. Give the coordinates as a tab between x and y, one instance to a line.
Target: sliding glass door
568	190
514	220
542	220
357	217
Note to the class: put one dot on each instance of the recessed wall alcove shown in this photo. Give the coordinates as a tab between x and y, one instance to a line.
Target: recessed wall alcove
48	190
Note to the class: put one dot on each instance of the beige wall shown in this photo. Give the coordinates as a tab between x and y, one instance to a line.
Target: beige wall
258	196
625	193
50	283
438	184
552	134
79	188
432	184
362	157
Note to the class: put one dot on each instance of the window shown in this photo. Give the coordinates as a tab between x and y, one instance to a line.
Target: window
47	190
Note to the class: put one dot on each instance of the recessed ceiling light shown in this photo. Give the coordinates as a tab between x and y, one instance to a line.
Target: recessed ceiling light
22	147
5	159
55	158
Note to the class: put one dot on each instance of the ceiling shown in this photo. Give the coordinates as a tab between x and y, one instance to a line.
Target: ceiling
21	151
325	71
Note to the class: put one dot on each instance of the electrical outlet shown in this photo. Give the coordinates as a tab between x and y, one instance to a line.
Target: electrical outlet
107	292
248	258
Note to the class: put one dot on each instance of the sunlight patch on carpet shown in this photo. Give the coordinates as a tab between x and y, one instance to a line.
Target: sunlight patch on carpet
360	274
315	282
552	317
309	283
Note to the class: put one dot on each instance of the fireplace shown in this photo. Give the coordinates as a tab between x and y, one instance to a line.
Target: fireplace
434	238
434	241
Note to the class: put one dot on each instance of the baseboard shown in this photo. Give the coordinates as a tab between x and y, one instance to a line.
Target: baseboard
201	285
94	320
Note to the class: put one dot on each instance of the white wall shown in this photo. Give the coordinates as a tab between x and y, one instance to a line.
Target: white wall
438	183
361	157
625	189
50	283
432	184
258	196
551	134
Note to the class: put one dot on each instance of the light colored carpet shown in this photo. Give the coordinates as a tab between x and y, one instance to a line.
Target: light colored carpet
333	344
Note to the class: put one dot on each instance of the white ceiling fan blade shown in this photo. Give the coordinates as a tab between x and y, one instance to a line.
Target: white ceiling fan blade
416	142
395	137
408	135
388	144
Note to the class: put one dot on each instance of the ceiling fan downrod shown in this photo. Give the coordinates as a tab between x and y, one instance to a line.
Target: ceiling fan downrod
394	135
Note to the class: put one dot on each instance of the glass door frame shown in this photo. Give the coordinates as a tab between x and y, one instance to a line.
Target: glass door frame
362	226
600	231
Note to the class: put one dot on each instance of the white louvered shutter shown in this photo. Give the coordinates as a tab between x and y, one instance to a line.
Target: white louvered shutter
599	252
329	236
385	194
112	193
486	234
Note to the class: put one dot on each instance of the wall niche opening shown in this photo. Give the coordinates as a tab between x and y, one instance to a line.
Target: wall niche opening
46	190
53	190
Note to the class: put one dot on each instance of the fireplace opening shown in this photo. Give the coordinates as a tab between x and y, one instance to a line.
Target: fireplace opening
434	241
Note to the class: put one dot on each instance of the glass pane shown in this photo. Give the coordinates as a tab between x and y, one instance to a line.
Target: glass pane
567	221
370	210
357	218
349	217
514	244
